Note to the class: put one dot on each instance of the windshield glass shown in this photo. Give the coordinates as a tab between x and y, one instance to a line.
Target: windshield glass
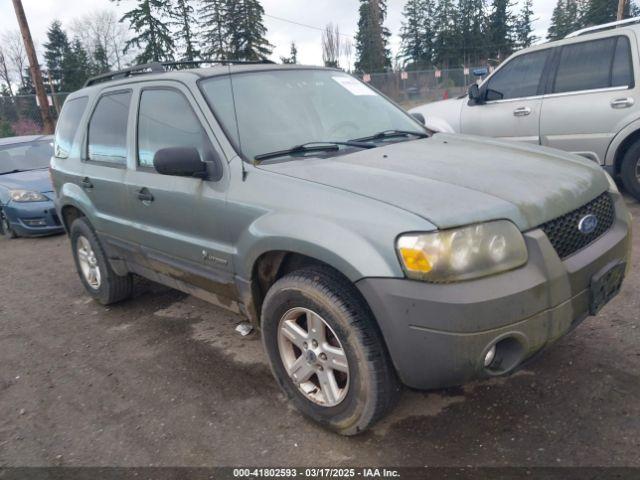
279	109
25	156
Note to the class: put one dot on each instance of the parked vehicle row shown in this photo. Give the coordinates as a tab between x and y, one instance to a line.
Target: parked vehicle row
369	252
580	94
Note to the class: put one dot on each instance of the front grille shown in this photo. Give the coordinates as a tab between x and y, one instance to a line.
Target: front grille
563	231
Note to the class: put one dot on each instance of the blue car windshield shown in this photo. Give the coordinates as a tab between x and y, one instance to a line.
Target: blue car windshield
20	157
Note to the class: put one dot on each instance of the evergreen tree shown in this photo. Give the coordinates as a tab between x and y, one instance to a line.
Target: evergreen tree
247	31
214	18
293	55
372	38
597	12
153	36
55	50
471	31
524	26
76	67
500	26
100	60
416	34
446	44
566	18
183	19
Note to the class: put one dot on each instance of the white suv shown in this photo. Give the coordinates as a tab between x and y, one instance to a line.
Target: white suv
580	94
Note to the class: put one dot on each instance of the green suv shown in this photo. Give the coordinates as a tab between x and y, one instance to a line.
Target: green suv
369	252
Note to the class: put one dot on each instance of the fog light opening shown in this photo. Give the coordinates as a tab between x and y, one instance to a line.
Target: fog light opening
503	356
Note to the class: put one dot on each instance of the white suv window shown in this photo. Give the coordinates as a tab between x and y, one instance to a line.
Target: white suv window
518	78
594	64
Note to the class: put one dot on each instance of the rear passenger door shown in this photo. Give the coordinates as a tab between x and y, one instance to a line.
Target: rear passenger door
177	219
591	96
105	160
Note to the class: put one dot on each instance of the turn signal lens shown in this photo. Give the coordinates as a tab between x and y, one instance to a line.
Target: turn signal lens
415	260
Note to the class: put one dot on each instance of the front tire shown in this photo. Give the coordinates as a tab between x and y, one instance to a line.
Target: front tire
326	351
630	170
96	274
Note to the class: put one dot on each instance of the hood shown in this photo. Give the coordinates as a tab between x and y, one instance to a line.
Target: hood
454	180
443	116
37	180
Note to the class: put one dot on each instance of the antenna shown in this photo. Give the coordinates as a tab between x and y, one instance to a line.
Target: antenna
235	114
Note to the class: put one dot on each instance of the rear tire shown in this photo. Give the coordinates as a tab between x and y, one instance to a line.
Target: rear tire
5	227
353	384
630	170
96	274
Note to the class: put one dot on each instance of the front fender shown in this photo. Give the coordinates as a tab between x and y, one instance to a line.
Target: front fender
342	248
622	135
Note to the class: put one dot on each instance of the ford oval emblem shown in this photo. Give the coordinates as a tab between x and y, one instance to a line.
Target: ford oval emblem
588	224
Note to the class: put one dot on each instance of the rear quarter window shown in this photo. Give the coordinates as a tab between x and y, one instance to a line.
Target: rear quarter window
68	124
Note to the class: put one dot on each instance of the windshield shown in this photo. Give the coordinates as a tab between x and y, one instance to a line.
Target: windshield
278	109
25	156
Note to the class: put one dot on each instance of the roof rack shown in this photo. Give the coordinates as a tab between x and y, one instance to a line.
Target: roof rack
161	67
604	26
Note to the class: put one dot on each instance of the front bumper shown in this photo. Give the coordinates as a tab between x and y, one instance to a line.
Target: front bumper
439	334
33	218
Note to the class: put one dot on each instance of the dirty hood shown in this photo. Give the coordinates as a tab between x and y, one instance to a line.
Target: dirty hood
37	180
453	180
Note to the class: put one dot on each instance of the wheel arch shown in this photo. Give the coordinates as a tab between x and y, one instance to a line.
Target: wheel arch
621	144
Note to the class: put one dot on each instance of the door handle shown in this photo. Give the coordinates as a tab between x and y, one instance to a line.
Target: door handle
522	111
145	196
622	102
86	183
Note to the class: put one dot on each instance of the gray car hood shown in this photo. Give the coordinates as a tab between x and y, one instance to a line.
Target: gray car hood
454	180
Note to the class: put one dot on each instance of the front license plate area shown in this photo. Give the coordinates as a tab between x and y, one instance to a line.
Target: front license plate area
606	285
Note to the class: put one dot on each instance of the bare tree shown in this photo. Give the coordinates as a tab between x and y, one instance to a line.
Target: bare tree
331	46
4	71
15	55
102	29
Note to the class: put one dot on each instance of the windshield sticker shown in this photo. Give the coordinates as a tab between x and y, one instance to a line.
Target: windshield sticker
354	86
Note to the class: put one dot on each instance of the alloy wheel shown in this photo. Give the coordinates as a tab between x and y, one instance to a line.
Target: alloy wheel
88	263
313	357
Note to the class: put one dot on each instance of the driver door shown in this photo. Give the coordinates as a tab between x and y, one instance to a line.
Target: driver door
512	101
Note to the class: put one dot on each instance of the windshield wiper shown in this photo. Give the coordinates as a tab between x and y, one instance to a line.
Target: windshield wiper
11	171
313	147
391	134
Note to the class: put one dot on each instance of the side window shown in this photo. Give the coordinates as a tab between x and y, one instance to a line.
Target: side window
107	135
585	66
165	119
622	70
518	78
68	125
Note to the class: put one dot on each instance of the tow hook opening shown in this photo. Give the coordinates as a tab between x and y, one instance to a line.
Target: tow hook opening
503	356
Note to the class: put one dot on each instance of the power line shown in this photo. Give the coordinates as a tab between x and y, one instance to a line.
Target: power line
305	25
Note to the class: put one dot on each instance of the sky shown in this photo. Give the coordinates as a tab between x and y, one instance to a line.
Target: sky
313	13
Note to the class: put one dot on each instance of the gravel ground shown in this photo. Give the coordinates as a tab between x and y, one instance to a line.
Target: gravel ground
163	379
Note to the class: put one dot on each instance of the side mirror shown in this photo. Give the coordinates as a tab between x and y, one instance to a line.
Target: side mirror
419	117
475	96
180	162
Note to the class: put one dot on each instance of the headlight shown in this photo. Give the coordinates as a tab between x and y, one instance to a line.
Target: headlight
462	253
27	196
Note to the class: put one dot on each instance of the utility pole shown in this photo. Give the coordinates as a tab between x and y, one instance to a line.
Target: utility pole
34	68
620	10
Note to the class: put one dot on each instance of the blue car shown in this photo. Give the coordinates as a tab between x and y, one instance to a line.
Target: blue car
26	208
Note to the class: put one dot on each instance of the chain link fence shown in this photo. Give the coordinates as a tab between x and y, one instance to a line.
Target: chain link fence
20	114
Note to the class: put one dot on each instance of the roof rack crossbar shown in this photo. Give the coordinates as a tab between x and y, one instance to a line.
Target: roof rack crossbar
604	26
161	67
